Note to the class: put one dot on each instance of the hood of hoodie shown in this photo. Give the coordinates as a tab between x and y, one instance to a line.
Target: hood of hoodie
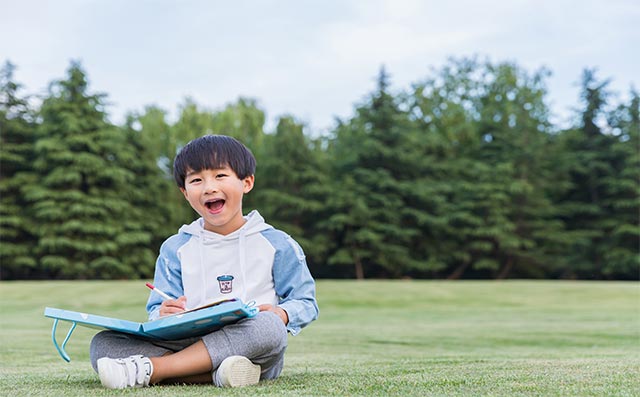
254	224
218	256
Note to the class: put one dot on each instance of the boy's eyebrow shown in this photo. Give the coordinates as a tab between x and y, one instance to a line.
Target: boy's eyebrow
191	172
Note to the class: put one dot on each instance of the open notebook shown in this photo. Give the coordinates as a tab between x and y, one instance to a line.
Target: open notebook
196	322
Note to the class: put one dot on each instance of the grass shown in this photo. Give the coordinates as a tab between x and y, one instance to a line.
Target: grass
373	338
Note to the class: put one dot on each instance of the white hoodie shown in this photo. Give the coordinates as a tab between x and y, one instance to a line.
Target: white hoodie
254	263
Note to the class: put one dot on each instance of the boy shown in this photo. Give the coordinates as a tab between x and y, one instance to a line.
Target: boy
219	256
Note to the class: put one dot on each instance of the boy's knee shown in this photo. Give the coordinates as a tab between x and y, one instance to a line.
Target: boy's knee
274	330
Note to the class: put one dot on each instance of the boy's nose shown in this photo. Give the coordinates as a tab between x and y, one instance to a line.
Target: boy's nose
210	187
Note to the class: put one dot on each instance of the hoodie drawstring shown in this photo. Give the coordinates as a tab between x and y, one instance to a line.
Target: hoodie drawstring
243	261
202	266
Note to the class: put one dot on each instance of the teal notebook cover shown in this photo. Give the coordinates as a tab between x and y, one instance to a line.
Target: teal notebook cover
191	323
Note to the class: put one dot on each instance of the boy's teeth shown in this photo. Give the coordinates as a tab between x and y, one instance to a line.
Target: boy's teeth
214	205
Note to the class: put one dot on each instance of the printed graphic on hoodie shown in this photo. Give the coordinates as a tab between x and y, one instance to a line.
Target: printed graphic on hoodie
226	283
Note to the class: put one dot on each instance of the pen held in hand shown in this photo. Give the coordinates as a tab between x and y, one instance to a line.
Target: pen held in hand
159	292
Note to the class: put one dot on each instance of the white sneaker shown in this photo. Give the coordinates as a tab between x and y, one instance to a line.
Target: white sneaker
236	371
120	373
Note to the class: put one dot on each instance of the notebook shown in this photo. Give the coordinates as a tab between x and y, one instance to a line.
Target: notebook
192	323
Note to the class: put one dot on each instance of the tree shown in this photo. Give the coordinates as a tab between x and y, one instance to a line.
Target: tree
81	200
161	142
622	243
460	201
516	134
601	206
243	120
157	134
17	139
373	159
151	217
192	123
291	185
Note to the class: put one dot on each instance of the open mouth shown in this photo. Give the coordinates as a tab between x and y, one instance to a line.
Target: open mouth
214	205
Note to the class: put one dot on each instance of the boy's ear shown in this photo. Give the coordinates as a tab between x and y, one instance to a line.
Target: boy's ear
248	183
184	192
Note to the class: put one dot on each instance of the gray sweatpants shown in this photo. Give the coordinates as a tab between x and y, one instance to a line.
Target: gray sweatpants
262	339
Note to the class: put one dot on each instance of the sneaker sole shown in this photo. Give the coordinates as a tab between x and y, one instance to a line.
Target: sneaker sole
243	373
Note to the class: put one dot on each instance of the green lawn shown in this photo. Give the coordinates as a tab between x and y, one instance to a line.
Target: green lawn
373	338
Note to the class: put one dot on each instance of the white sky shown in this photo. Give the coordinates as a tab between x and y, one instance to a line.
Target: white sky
312	59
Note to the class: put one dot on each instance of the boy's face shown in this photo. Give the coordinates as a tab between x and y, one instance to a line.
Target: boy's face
217	196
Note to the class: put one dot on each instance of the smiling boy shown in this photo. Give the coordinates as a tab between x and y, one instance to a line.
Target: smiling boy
221	255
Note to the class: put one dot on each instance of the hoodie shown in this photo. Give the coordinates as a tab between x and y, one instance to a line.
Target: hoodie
256	263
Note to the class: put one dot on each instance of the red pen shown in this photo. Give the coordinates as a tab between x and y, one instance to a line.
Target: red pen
157	291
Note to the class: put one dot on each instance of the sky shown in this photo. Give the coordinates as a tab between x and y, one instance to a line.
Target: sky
315	60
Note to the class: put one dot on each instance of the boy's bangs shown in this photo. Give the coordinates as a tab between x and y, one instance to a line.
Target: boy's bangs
212	152
207	161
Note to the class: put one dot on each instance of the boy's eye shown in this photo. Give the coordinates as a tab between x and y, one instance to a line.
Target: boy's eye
221	175
194	180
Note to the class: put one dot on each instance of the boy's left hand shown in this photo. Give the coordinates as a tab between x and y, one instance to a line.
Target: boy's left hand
277	310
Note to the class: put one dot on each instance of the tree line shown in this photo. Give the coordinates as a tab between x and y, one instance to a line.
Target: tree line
463	175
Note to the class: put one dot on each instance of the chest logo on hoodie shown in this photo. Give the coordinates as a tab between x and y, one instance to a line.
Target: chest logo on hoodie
226	283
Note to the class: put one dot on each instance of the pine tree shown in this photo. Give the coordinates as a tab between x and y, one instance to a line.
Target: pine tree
373	164
17	140
516	132
484	183
80	202
461	199
150	218
291	182
156	132
243	120
621	247
160	142
193	122
601	206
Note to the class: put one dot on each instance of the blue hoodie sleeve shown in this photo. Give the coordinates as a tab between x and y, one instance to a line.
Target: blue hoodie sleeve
168	274
293	282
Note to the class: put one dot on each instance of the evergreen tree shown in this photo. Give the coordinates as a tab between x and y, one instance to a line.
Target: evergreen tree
243	120
485	179
291	186
461	200
601	206
515	129
621	247
157	134
193	122
80	202
150	219
374	161
17	139
160	142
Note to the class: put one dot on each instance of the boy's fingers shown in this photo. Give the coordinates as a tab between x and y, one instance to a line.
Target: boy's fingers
172	306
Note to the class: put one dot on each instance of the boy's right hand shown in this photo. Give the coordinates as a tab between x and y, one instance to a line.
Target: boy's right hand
173	306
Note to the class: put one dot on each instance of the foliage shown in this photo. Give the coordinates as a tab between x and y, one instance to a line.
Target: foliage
17	140
82	202
601	205
291	185
373	168
460	176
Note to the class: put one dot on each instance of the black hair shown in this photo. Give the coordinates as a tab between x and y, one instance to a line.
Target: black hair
213	152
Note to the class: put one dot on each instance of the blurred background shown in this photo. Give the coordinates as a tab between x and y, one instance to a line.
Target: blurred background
394	139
